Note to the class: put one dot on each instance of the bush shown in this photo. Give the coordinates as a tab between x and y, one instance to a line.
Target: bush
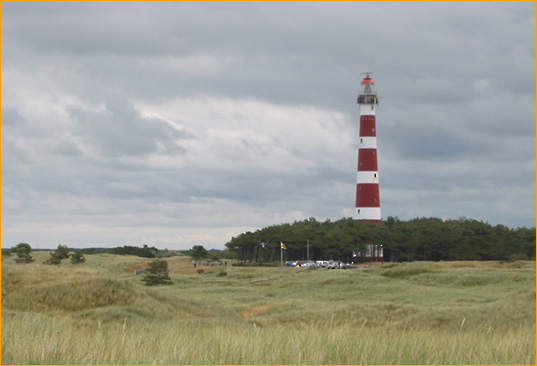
77	258
222	273
62	252
23	251
54	259
157	273
200	271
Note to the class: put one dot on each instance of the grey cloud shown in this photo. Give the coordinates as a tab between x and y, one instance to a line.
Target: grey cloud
68	148
16	151
457	111
329	42
11	117
432	142
121	131
84	29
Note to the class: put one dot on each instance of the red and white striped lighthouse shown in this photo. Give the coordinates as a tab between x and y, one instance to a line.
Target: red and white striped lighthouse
367	182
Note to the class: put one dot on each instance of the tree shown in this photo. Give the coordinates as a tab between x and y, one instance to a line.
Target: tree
198	252
157	273
62	252
214	257
23	251
77	257
430	239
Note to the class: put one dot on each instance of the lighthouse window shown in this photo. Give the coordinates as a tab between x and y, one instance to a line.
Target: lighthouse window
372	130
375	175
358	211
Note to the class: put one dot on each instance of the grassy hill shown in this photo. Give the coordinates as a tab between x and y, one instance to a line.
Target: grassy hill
99	312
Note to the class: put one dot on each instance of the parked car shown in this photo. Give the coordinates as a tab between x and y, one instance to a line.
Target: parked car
290	264
307	264
332	265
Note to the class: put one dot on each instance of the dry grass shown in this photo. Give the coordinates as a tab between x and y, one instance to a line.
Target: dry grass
255	311
411	313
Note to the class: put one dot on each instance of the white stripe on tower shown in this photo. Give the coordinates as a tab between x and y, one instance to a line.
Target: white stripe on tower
367	179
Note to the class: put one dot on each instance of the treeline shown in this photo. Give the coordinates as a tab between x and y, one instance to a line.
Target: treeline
23	249
428	239
144	252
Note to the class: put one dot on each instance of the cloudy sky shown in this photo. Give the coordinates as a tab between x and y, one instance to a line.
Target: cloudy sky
175	123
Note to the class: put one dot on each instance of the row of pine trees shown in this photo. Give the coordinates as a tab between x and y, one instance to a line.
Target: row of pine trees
424	239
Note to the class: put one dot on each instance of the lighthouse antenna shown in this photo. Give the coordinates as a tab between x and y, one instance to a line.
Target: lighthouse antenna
367	73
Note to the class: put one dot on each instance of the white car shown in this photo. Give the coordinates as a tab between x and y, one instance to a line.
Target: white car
332	265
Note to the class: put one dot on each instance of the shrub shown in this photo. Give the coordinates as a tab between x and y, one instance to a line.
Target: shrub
23	250
54	259
157	273
77	257
222	273
62	252
200	271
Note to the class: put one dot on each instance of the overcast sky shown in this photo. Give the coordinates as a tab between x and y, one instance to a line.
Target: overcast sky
176	124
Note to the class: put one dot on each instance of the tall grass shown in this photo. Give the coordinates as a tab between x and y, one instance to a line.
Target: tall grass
415	313
56	341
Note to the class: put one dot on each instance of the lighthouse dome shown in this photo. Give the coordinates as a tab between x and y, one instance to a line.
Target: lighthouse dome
368	80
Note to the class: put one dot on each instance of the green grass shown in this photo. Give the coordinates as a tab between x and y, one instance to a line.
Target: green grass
410	313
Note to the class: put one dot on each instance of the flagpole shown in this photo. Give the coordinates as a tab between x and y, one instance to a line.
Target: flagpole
281	254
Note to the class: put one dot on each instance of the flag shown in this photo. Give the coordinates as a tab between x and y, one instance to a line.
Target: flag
283	245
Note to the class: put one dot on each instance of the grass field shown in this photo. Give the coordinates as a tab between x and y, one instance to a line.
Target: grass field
411	313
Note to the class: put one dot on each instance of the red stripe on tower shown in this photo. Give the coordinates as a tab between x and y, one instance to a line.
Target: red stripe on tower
367	182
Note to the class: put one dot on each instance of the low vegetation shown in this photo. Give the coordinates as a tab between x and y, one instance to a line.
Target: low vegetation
157	273
23	250
100	312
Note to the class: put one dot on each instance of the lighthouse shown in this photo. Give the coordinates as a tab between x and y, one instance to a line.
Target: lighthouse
367	182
